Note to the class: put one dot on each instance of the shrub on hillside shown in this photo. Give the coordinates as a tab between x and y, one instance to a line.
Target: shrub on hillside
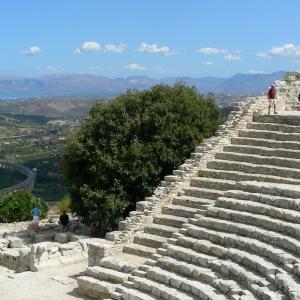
64	205
125	147
17	206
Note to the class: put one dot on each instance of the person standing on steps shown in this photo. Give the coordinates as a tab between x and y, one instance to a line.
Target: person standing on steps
272	97
36	215
299	97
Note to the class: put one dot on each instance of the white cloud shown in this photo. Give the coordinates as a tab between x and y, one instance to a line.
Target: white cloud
233	56
228	55
286	50
154	48
89	46
135	67
115	48
32	50
211	51
49	69
208	63
253	71
92	46
77	51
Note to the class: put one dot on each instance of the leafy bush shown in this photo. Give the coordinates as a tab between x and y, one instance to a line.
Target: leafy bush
64	205
126	146
17	206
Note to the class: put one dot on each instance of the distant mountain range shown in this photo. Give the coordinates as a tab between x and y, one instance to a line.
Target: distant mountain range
91	85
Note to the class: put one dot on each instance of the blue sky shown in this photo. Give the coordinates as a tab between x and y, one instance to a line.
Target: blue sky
157	38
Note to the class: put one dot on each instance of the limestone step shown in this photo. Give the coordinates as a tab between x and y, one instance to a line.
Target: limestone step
190	256
133	294
268	236
279	119
212	183
275	254
251	280
139	250
194	288
203	193
106	274
252	264
260	160
291	287
161	251
114	296
180	211
270	135
95	288
182	268
149	240
266	222
259	208
277	201
204	275
251	261
274	127
160	230
159	290
265	143
245	176
121	263
139	273
234	290
193	202
253	168
284	190
169	220
262	151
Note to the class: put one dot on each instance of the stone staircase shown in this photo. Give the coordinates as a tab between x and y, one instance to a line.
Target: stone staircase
232	231
174	215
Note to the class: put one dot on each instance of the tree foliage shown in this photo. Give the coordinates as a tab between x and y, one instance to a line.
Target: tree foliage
125	147
17	207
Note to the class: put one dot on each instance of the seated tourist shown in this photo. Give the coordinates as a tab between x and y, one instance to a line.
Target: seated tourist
64	221
96	229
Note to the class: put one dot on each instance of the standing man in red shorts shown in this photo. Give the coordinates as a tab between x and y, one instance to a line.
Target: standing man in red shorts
272	97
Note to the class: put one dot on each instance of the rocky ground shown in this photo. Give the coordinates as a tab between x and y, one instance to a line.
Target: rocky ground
51	284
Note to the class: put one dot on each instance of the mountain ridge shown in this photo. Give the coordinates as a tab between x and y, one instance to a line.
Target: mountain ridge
92	85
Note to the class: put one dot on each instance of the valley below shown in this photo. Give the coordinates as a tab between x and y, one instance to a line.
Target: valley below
33	133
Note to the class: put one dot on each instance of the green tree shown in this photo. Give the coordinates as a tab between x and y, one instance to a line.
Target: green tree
17	206
125	147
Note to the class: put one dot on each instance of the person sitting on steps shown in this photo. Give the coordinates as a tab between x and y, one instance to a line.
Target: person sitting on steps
64	221
272	97
96	227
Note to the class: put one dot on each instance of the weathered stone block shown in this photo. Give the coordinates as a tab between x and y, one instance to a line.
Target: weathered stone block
14	242
3	243
61	237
